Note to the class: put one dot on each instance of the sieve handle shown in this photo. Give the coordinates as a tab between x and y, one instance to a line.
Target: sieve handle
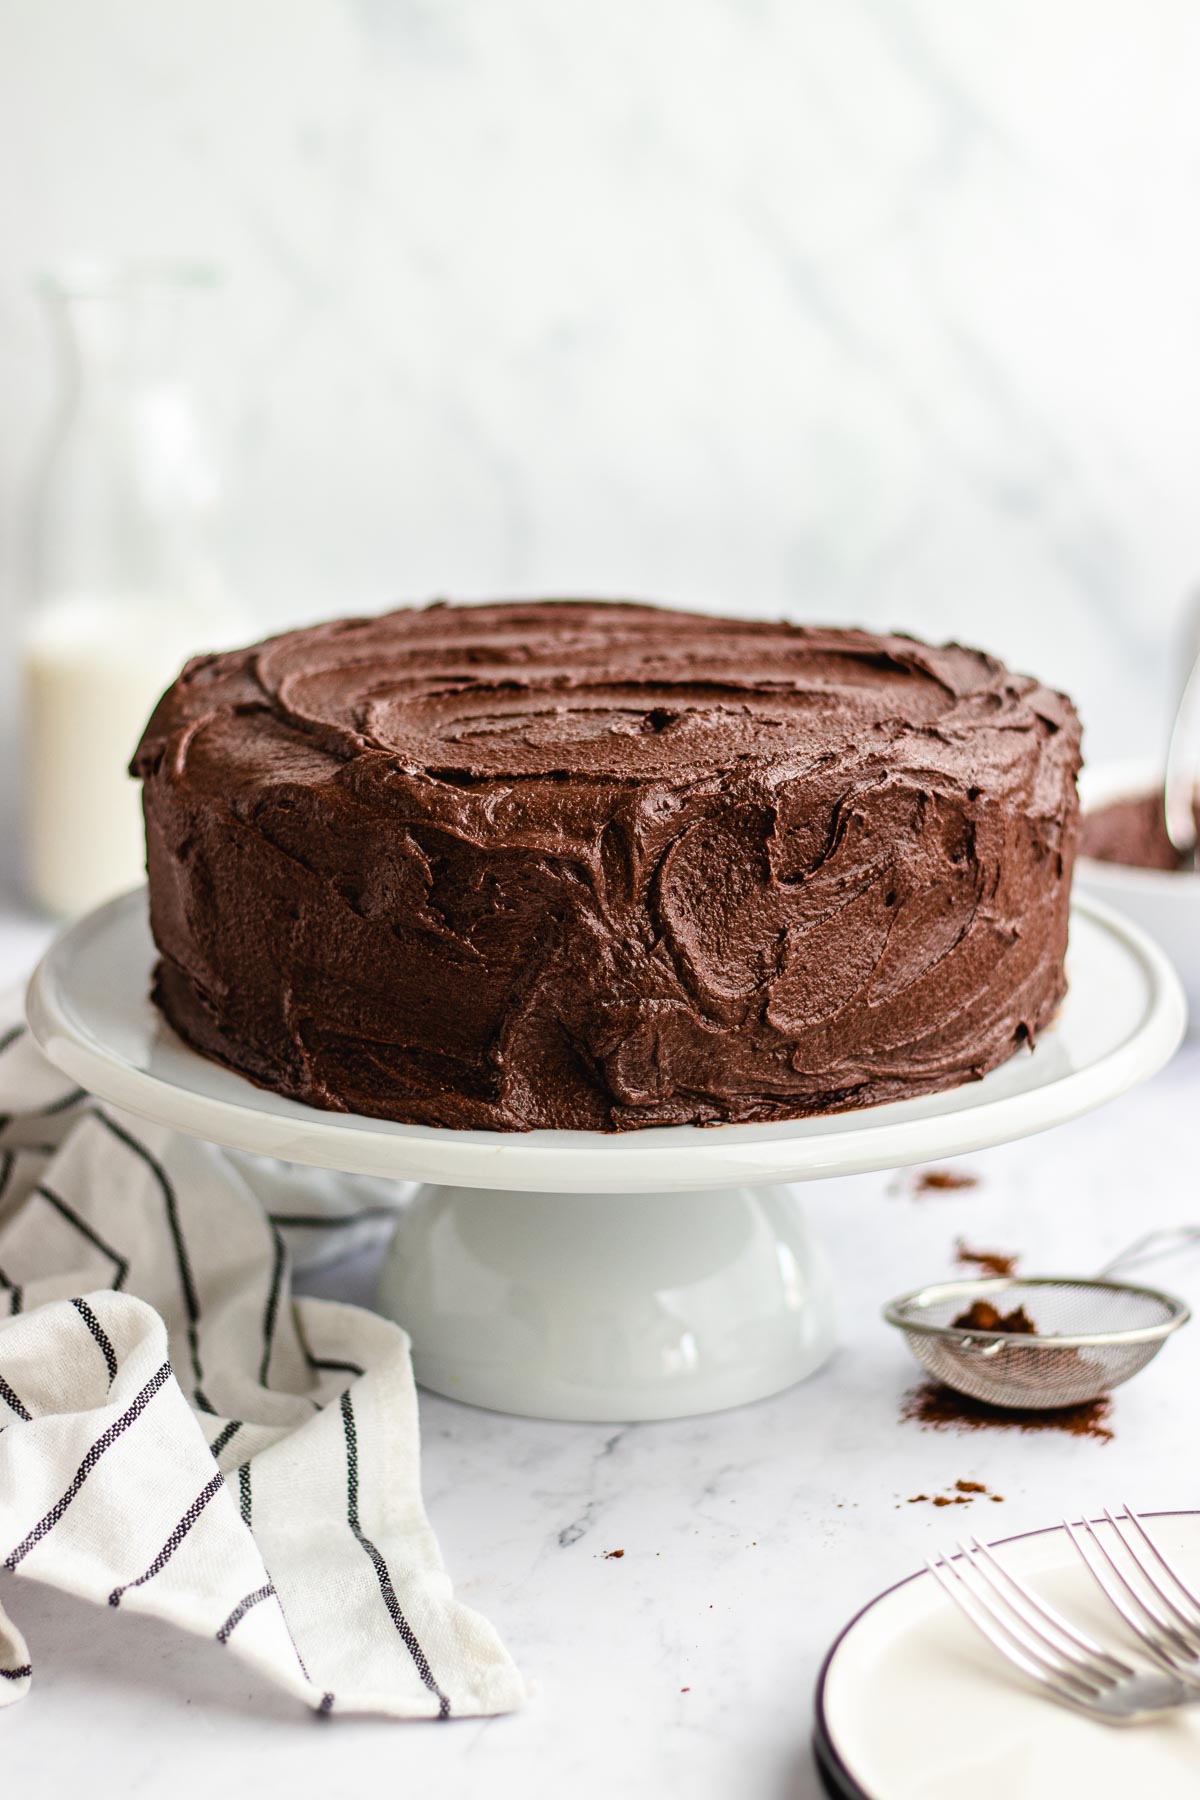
1152	1245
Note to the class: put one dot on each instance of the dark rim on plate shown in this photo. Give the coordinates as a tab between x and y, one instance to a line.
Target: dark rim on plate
835	1777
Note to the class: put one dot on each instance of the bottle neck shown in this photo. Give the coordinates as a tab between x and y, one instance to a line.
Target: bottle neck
115	346
128	495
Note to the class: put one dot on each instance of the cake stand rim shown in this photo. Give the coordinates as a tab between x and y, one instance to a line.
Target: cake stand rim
658	1159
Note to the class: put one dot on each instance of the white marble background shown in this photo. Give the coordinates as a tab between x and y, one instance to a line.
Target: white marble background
877	310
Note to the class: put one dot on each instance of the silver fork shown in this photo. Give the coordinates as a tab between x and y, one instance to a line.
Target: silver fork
1161	1610
1060	1658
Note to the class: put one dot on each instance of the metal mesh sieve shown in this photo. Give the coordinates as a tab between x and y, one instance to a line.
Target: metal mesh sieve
1091	1336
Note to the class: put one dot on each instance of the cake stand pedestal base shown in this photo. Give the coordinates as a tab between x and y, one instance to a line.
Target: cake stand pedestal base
613	1307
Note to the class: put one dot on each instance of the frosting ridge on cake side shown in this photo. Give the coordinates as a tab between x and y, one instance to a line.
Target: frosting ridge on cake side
586	864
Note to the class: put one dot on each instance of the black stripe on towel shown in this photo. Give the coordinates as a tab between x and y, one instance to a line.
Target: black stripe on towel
306	1348
121	1263
104	1442
173	1542
13	1402
17	1674
271	1310
241	1609
223	1436
101	1336
60	1105
405	1630
16	1294
244	1497
331	1221
187	1284
10	1037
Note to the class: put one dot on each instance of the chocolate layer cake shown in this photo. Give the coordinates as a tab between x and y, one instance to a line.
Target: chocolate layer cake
605	866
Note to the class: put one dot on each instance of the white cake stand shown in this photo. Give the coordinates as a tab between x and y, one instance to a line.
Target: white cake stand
571	1275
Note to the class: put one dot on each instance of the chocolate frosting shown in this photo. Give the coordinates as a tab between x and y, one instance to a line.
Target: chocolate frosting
582	864
1133	832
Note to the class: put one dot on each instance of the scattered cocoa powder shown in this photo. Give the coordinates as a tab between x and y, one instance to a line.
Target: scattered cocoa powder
944	1181
981	1315
991	1262
938	1408
963	1493
610	1554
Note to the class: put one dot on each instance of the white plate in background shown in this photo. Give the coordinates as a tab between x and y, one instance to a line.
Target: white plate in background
1165	905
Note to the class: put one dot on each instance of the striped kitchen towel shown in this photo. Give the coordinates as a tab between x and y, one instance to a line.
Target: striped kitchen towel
181	1436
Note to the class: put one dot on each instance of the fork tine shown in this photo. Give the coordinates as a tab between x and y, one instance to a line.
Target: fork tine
1011	1640
1045	1620
1160	1556
1188	1634
1163	1651
1174	1637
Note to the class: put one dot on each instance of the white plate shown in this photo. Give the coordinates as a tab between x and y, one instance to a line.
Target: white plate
89	1010
913	1704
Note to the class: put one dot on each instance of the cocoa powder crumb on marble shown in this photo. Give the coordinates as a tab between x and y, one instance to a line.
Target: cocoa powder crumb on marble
963	1493
937	1408
988	1262
944	1181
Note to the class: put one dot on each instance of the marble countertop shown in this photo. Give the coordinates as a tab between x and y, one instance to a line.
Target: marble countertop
687	1664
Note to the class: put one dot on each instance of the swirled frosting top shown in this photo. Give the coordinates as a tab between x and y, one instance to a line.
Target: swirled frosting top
474	694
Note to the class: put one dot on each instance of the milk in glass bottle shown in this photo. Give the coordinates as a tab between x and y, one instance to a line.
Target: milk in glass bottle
125	579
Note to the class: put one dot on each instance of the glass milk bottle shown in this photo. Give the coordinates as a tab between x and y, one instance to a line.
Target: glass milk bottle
125	581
